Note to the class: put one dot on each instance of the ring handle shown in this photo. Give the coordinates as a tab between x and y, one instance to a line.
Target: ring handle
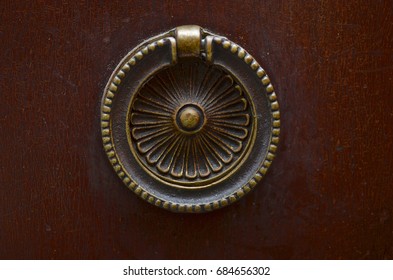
190	121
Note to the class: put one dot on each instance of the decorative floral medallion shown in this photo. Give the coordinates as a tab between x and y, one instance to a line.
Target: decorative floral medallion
190	125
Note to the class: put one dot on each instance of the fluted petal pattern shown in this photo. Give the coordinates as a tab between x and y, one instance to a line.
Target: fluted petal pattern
215	145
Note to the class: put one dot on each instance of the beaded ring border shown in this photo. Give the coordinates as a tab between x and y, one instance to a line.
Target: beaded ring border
110	92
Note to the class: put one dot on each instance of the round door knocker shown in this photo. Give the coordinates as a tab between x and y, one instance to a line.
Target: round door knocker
190	120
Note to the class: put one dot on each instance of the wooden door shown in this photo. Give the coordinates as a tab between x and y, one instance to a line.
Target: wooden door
327	195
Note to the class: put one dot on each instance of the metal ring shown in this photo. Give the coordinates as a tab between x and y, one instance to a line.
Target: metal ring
190	121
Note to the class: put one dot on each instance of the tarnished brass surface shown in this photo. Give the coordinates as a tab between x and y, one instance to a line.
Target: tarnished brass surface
200	133
189	118
190	121
188	40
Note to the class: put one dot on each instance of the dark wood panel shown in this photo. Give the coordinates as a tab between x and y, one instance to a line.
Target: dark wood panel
328	193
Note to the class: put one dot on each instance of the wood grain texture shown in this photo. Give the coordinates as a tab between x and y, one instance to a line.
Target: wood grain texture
328	194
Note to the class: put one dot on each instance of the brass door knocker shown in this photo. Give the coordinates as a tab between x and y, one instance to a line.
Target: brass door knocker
190	121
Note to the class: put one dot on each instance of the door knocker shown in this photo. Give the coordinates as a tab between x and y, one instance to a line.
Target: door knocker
190	121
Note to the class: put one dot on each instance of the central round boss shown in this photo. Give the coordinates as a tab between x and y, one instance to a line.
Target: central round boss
190	118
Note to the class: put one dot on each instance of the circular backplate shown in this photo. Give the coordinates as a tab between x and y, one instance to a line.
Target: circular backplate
190	121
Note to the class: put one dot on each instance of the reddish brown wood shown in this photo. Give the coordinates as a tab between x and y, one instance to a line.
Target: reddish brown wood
328	193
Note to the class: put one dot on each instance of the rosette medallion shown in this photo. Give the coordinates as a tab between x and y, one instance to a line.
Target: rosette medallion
190	125
190	121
